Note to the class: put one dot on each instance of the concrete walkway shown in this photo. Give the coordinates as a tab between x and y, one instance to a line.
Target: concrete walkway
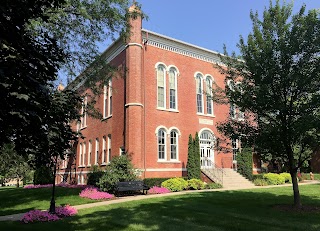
16	217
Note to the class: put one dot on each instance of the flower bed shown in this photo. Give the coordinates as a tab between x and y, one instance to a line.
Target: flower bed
94	194
158	190
63	185
45	216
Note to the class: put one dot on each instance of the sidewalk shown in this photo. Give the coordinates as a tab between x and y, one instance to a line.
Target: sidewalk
16	217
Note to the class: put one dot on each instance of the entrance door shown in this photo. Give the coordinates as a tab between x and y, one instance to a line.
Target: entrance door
206	149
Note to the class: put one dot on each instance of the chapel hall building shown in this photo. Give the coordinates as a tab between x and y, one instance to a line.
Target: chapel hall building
150	110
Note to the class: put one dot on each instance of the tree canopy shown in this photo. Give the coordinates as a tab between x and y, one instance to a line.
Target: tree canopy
277	86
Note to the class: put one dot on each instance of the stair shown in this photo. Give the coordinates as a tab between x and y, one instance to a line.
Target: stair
232	179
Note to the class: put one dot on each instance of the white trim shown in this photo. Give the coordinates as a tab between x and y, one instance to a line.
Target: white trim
133	104
160	63
174	128
203	129
176	74
165	169
173	66
134	44
159	127
164	85
256	169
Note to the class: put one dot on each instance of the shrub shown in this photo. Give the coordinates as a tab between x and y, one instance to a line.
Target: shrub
244	162
94	176
94	194
260	182
175	184
274	179
195	184
213	186
120	169
287	177
43	175
150	182
257	176
158	190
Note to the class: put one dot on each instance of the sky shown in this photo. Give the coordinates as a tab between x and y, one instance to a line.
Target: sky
207	23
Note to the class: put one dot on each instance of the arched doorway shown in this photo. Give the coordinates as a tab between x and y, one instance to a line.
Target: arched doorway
206	149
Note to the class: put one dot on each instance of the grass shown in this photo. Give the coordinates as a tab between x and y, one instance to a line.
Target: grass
18	200
225	210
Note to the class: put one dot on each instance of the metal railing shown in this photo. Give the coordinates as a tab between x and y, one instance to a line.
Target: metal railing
212	171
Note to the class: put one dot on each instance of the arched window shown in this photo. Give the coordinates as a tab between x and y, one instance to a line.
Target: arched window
161	83
173	145
173	88
199	90
97	152
209	95
89	152
162	144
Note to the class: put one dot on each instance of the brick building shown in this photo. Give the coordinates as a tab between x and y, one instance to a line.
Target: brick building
150	110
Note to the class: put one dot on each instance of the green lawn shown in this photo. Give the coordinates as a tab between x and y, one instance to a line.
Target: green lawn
18	200
226	210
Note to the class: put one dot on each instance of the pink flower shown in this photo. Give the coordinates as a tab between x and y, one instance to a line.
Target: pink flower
45	216
158	190
94	194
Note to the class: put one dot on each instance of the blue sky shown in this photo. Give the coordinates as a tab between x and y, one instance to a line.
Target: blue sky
207	23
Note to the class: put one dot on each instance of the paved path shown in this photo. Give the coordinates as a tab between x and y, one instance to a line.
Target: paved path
16	217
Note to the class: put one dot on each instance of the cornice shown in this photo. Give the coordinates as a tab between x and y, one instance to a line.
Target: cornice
177	46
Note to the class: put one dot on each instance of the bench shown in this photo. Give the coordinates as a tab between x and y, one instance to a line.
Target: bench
130	186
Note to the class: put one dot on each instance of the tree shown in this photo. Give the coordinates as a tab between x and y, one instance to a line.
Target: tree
190	161
278	86
196	153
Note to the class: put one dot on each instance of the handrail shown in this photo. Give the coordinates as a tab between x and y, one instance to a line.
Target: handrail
214	172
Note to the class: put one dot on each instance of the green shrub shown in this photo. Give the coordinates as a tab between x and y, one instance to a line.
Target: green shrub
43	175
287	177
213	186
195	184
244	162
274	179
257	176
120	169
260	182
154	181
94	176
175	184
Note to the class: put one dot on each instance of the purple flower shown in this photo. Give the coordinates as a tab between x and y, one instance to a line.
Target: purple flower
94	194
158	190
45	216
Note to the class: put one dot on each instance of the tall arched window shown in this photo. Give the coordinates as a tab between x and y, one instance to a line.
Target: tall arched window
162	144
209	95
173	88
173	145
199	90
161	83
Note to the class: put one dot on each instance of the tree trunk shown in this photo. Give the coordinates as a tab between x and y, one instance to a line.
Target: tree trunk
18	183
295	187
53	202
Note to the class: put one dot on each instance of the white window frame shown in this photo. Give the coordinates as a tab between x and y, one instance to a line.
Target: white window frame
84	146
80	155
110	98
162	130
96	154
89	153
209	94
176	73
158	65
107	99
104	150
199	76
176	144
109	149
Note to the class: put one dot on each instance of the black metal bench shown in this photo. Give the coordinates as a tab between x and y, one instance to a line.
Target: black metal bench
131	186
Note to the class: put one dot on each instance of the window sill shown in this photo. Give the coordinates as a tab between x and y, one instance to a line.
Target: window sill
103	164
105	118
83	128
89	165
81	166
169	161
206	115
168	110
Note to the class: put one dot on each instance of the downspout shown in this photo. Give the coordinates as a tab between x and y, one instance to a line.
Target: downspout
144	108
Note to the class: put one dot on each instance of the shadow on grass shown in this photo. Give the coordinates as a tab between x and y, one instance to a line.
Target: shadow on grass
229	210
